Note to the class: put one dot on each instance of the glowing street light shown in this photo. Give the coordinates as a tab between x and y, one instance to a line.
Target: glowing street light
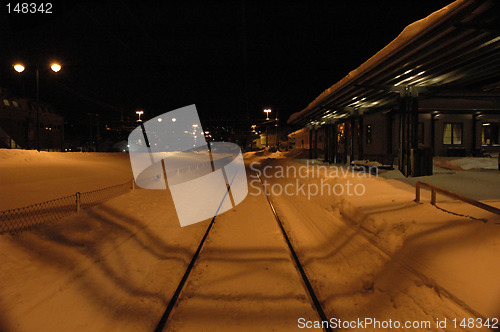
267	111
55	67
18	67
139	113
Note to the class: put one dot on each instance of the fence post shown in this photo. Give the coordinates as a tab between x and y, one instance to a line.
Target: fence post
78	203
433	197
417	192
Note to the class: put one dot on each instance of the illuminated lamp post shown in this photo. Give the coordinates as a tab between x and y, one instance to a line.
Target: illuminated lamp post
55	67
139	113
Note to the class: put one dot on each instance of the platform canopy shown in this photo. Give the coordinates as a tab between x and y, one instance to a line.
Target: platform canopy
451	59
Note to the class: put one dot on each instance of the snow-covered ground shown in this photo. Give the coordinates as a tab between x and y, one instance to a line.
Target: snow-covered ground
466	163
112	268
426	256
115	267
28	176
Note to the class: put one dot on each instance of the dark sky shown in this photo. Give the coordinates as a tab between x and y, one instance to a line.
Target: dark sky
215	54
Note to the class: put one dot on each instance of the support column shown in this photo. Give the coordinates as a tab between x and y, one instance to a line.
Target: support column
326	142
433	133
408	131
311	143
334	143
474	133
315	143
388	123
353	139
360	137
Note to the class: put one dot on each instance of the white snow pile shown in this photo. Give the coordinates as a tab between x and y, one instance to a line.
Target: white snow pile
366	163
467	163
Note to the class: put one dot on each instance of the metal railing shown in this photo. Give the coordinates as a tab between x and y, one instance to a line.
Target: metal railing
21	219
435	189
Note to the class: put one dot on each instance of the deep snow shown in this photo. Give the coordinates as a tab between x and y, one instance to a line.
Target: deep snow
446	251
115	266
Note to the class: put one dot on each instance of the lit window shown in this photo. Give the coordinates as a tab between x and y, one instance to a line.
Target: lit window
452	133
491	134
6	102
15	104
340	133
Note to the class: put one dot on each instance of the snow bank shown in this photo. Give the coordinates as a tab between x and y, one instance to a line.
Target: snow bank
28	177
468	163
446	252
111	268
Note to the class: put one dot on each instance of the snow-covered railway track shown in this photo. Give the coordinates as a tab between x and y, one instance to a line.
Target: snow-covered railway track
298	264
175	297
315	304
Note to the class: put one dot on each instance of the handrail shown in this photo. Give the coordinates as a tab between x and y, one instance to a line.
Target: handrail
451	194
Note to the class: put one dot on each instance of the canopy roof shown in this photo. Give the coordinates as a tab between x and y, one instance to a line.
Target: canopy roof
452	54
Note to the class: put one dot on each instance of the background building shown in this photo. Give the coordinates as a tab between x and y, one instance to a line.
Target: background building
27	124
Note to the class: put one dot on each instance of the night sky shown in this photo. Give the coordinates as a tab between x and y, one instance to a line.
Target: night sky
226	57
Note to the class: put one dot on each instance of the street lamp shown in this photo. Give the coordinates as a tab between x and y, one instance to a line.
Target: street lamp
139	113
267	111
19	67
55	67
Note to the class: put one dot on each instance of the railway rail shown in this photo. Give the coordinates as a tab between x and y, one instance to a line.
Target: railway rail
300	269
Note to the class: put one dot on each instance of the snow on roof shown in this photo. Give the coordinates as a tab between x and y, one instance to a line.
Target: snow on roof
404	38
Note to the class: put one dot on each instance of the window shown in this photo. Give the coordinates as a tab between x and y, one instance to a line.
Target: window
6	102
369	134
452	133
420	133
341	133
490	135
16	105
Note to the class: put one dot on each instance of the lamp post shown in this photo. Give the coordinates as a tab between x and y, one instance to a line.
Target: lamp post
19	67
267	111
276	125
139	113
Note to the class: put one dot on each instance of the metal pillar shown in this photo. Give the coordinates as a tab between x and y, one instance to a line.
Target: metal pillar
408	126
326	143
331	155
474	134
360	137
433	133
311	143
37	109
334	143
315	143
353	139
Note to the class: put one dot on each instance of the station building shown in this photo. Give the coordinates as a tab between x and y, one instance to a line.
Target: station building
433	91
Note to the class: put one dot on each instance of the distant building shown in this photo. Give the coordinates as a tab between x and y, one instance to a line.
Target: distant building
19	120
